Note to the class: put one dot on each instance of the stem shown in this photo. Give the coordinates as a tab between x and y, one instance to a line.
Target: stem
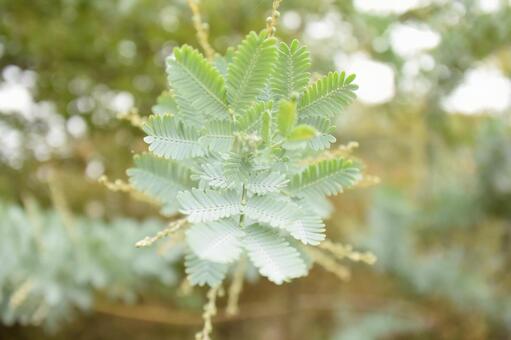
271	21
236	287
202	29
243	204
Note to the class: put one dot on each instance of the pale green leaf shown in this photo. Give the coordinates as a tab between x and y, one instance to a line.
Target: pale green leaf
204	206
275	258
250	69
197	83
291	74
172	139
202	272
327	177
328	96
218	241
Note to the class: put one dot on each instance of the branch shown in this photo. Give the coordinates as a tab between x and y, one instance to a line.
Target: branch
202	29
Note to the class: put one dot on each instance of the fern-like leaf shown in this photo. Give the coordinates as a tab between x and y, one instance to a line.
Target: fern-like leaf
201	272
172	139
196	82
248	72
327	177
270	211
165	104
160	178
309	229
218	241
328	96
212	174
251	121
266	182
204	206
291	73
218	136
275	258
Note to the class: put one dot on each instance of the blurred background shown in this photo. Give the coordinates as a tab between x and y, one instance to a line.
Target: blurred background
432	120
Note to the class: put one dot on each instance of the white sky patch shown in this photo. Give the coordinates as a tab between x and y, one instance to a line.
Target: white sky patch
291	20
411	39
384	7
484	90
122	102
376	80
320	29
490	6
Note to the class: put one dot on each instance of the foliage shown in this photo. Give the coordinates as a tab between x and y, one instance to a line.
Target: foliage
50	269
254	185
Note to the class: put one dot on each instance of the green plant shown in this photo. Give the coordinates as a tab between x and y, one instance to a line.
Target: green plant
240	147
51	268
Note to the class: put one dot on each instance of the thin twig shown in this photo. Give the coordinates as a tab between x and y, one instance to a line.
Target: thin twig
171	229
202	29
271	21
329	263
341	251
209	312
235	288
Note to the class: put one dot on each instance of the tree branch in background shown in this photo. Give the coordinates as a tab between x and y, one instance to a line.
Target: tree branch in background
202	29
271	21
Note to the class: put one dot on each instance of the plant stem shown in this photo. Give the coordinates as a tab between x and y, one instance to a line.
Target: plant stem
202	29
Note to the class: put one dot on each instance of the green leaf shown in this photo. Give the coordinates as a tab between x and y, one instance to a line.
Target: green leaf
201	272
291	74
251	121
204	206
308	228
172	139
250	69
197	84
213	175
275	258
302	132
266	182
327	177
328	96
218	241
218	136
268	210
286	117
165	104
160	178
324	139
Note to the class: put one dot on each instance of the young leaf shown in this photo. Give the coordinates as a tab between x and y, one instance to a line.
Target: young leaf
328	96
204	206
302	132
201	272
323	125
251	120
248	72
327	177
218	241
171	139
291	73
286	116
197	82
275	258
